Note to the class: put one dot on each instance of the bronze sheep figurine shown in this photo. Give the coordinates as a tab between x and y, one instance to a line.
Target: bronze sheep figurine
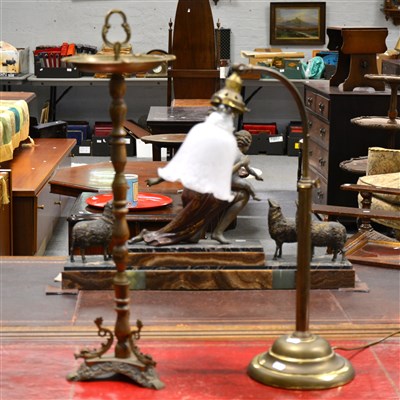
331	234
323	233
93	232
281	229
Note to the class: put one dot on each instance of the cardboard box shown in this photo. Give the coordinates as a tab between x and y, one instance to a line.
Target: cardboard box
276	144
83	149
269	128
44	72
14	61
293	143
102	128
82	126
100	145
130	146
55	129
271	144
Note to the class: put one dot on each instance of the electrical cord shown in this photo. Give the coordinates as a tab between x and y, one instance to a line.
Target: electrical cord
368	344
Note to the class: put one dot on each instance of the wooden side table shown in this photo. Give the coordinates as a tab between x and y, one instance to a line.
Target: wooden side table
170	141
357	49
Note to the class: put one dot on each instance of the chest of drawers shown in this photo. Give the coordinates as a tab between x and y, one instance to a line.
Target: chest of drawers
333	138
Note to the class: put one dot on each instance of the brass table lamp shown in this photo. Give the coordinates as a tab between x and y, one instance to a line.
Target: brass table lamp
127	359
301	360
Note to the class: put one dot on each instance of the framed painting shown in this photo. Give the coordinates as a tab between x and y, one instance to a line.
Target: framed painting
297	23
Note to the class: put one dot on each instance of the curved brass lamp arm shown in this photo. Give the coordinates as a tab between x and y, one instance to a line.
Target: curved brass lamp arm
240	68
304	189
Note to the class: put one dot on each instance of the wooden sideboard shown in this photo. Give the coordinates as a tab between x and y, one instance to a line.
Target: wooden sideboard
35	209
333	138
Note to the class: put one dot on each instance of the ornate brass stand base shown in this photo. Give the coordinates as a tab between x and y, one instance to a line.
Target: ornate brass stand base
296	362
106	367
127	359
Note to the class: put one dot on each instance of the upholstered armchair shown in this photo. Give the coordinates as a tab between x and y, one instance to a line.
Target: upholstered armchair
383	170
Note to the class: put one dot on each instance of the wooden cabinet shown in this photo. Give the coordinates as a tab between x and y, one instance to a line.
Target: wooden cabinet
35	209
333	138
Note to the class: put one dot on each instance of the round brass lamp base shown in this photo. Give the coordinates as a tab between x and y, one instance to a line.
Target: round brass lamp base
298	362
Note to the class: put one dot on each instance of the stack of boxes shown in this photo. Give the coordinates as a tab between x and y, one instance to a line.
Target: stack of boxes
80	130
294	132
101	140
48	60
265	139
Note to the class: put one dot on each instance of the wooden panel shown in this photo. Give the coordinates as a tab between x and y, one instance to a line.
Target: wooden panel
24	226
33	166
48	211
193	38
5	215
194	46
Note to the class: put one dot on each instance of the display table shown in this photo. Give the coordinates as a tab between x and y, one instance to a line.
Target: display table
175	119
97	178
26	96
8	81
68	83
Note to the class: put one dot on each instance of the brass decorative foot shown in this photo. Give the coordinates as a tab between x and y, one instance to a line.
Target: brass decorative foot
138	366
145	376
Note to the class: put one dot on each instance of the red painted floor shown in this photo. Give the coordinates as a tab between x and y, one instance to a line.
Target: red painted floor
191	370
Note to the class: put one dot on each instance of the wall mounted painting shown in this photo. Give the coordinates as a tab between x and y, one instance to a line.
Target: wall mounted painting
297	23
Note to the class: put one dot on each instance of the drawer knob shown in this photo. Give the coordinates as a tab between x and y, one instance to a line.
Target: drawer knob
321	107
41	207
322	162
320	194
310	124
322	132
309	101
57	203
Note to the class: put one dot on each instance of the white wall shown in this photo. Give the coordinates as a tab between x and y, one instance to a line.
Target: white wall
34	22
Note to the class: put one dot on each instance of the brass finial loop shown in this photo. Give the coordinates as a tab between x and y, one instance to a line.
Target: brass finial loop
106	27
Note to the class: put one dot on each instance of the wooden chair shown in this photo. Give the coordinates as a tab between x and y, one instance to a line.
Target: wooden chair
194	75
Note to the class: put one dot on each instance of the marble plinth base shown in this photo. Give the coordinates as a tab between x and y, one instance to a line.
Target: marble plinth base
206	267
206	253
